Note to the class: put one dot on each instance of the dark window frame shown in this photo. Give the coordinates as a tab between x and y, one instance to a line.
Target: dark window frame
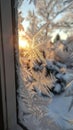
7	66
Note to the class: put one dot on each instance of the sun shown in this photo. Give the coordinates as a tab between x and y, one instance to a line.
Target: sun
23	42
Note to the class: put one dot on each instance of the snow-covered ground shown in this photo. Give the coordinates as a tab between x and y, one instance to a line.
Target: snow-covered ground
58	111
57	116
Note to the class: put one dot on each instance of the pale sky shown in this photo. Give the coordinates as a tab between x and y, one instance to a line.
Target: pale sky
24	9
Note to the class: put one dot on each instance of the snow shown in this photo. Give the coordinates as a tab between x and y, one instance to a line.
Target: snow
56	116
58	111
36	110
57	88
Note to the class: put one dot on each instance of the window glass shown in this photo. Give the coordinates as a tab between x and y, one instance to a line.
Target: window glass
45	67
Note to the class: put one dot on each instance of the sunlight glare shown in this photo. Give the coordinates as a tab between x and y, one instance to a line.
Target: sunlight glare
23	43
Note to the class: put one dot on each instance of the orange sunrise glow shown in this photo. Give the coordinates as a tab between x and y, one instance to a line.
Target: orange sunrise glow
23	42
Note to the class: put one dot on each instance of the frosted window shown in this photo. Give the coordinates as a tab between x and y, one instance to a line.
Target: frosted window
45	67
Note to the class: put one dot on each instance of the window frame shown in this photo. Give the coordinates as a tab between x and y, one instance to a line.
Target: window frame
7	66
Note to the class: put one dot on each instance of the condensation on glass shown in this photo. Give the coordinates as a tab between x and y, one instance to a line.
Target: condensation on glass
45	65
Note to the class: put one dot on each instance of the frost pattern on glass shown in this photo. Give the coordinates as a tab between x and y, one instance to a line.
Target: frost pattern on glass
45	66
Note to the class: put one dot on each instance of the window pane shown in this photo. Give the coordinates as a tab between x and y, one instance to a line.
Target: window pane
45	67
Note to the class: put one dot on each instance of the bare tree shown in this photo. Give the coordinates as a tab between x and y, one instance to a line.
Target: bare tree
56	13
33	22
